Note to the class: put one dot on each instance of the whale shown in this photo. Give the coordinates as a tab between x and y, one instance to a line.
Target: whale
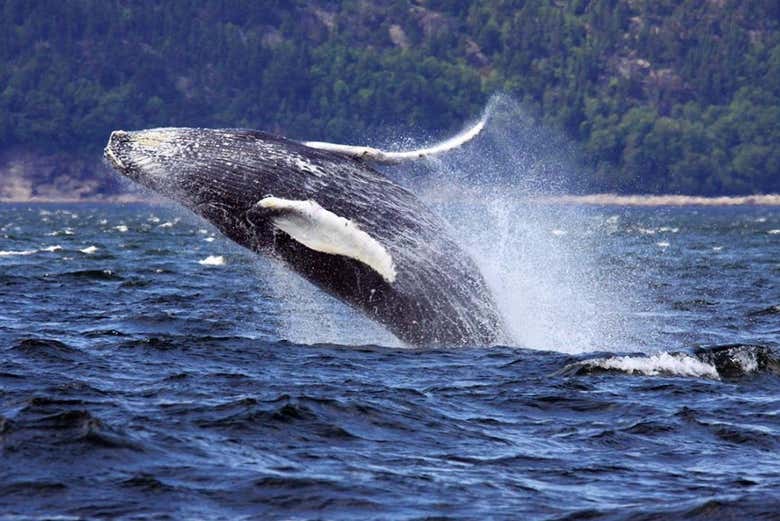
326	212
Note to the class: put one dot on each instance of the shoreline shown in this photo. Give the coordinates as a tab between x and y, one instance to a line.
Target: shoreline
586	200
662	200
118	199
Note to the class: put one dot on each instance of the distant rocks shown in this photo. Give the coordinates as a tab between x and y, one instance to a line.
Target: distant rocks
27	175
664	200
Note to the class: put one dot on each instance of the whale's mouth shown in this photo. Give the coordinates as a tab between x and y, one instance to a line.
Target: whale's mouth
122	154
112	150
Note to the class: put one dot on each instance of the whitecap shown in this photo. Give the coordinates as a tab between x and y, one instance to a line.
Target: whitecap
773	232
20	253
558	233
168	224
121	228
13	253
674	364
89	250
662	244
748	361
212	260
209	239
66	231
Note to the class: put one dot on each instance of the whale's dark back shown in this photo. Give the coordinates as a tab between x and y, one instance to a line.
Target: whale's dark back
438	296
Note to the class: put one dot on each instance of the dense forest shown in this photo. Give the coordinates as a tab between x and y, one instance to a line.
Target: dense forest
661	95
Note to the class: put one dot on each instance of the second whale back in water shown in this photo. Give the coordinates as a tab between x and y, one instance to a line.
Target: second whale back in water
325	212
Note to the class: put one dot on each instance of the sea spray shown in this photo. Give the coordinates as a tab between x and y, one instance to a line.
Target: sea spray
540	260
308	316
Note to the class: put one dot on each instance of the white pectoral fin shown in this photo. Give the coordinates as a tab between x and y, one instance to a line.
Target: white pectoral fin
321	230
382	156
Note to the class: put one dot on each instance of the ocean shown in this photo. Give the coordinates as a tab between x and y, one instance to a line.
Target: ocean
152	370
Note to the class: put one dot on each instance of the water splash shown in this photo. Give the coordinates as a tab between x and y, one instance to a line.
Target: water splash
307	315
542	261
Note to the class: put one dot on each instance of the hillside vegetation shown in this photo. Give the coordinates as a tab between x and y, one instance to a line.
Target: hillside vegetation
662	95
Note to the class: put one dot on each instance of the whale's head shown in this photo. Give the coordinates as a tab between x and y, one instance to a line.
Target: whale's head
220	174
144	156
190	165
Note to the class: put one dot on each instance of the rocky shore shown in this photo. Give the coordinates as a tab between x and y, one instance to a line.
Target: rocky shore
28	175
664	200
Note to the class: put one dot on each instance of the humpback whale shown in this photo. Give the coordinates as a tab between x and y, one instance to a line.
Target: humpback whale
324	211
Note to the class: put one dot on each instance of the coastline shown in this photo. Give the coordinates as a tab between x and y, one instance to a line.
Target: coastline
662	200
112	199
603	199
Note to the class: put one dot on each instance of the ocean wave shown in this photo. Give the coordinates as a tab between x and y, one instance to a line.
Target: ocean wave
12	253
23	253
769	311
45	349
736	360
213	260
66	231
727	361
56	422
98	275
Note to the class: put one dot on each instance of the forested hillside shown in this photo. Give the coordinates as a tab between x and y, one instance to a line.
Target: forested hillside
662	95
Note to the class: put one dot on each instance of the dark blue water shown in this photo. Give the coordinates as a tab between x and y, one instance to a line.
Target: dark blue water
140	381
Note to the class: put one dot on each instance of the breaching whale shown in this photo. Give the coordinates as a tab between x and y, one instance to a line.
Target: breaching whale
327	214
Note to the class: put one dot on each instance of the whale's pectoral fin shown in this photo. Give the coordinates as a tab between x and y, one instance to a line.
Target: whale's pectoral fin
321	230
381	156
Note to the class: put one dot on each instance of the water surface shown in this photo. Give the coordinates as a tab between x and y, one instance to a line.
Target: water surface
151	370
